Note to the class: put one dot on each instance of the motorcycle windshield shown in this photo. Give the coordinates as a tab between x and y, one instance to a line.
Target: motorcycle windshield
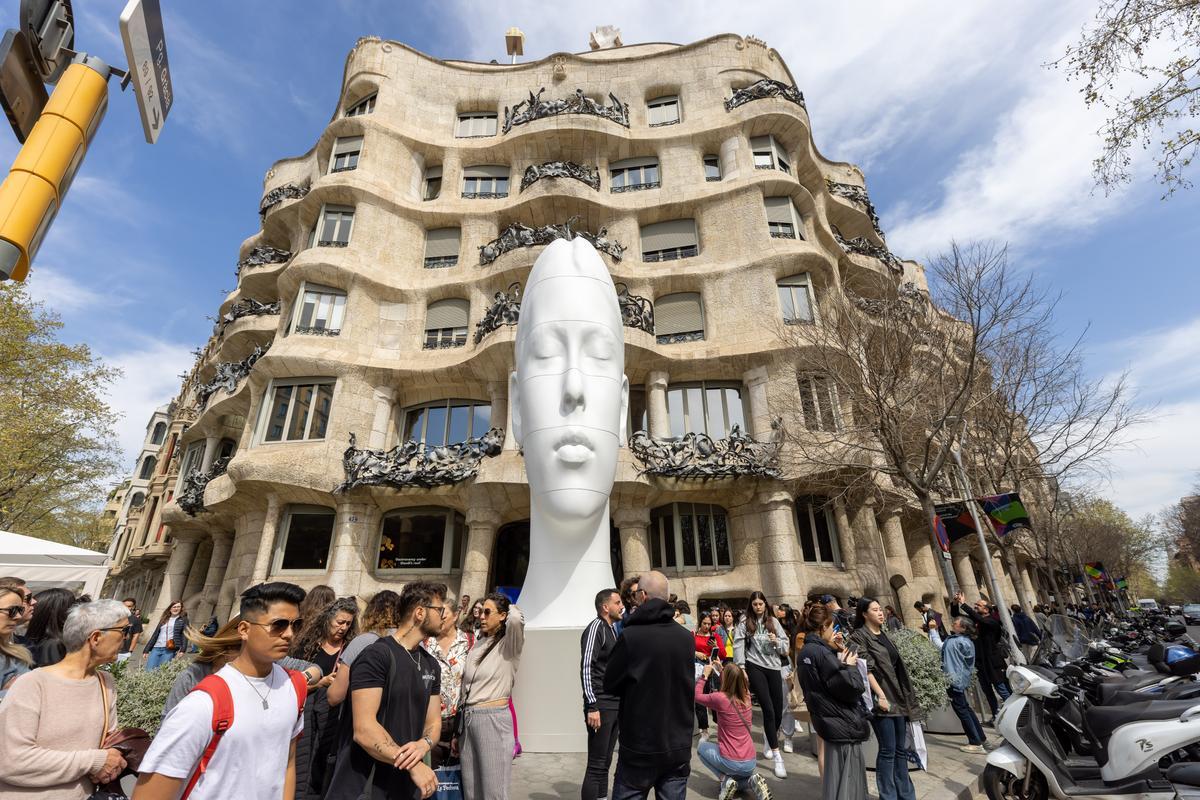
1067	636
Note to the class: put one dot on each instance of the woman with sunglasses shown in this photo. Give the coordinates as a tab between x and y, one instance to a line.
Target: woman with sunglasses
55	718
167	641
487	739
15	660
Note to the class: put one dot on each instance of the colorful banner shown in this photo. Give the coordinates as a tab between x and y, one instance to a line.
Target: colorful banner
956	520
1006	512
939	532
1122	583
1095	571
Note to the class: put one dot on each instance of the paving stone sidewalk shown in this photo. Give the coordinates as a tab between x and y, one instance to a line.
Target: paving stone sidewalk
952	775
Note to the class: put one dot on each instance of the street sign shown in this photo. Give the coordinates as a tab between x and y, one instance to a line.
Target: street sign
22	93
146	49
49	25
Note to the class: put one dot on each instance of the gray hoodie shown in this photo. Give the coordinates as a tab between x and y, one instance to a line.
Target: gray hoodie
758	649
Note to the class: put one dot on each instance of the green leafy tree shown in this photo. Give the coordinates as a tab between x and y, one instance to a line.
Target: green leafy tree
56	430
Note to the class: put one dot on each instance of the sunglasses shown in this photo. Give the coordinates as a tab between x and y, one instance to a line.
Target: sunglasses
13	611
440	609
277	627
487	612
124	629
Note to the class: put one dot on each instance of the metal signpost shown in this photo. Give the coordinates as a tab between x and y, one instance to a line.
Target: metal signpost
149	69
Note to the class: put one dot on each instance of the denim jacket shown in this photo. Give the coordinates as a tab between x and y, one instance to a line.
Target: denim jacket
958	661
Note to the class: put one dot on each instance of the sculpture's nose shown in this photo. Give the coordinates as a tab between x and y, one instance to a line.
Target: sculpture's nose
572	398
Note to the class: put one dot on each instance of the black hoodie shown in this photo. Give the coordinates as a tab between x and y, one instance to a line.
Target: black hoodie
652	671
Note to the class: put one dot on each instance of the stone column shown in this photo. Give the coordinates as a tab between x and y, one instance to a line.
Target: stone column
731	157
759	416
498	394
225	601
924	560
656	405
178	566
482	523
899	566
633	524
845	534
195	577
383	397
222	543
782	562
961	555
350	531
266	541
210	452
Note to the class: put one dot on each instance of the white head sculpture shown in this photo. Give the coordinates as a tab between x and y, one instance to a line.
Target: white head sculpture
569	398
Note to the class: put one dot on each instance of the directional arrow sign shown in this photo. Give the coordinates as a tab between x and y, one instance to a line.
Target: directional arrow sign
146	49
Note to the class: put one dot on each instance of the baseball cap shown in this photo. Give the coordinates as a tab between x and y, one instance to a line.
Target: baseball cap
827	598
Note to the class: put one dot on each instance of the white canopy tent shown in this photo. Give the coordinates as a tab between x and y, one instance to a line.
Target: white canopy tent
44	564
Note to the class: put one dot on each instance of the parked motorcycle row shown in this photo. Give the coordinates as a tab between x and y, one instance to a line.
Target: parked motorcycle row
1102	713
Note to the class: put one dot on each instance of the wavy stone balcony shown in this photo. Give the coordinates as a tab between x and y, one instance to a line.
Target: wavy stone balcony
519	235
413	464
535	108
763	89
288	191
588	176
191	492
697	456
246	307
228	375
262	256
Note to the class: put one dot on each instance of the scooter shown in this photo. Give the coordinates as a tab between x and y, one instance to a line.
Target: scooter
1185	778
1137	742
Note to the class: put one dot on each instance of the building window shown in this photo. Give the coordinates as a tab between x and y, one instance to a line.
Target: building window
320	311
160	433
795	298
769	155
485	182
433	183
441	247
818	402
447	422
668	241
192	458
708	408
298	410
137	500
306	540
781	217
689	537
446	323
476	124
421	540
663	111
345	154
147	470
679	318
333	229
362	107
225	449
633	174
818	540
712	168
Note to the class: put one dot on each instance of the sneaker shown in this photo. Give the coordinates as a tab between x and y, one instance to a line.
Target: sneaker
728	789
787	745
972	748
758	784
768	753
780	772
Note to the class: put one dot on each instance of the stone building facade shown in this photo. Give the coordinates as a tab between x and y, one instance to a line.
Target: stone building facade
375	309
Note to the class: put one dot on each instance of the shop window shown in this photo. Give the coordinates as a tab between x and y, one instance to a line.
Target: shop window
427	540
306	539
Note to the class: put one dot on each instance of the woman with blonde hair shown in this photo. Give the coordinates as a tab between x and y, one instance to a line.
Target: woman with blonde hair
15	659
732	758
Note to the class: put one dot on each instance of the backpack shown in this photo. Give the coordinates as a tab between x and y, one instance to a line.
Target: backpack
222	719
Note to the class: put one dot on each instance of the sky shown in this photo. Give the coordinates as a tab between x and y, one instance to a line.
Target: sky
963	130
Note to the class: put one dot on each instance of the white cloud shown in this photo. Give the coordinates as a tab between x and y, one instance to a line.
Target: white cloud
150	379
59	292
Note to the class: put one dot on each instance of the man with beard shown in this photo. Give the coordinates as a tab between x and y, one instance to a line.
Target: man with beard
380	754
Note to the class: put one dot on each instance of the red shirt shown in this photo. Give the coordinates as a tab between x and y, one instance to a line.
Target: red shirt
705	644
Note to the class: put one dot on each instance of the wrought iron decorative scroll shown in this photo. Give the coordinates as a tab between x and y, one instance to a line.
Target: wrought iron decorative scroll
537	108
289	191
636	312
520	235
504	310
414	464
229	374
309	331
191	493
860	245
247	307
857	195
677	338
261	256
763	89
560	169
698	456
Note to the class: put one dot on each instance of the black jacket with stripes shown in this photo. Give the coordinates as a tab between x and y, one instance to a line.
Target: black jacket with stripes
595	645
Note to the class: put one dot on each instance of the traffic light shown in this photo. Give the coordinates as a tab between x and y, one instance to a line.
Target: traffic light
41	174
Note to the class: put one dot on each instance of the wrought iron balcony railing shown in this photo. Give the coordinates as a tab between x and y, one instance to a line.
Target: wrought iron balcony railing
696	455
413	463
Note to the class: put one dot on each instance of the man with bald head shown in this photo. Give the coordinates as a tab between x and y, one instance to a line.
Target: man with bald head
652	671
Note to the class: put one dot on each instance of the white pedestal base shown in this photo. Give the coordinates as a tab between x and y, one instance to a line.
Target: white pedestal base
548	695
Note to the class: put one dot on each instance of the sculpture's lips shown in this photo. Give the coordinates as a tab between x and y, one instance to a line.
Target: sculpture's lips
573	447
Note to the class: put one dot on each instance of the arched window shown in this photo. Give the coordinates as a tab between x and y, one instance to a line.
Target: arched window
362	107
147	469
689	536
428	540
160	432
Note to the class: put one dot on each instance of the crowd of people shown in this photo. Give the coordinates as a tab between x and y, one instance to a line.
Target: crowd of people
308	695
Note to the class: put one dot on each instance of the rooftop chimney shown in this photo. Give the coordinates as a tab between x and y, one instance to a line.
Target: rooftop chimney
605	37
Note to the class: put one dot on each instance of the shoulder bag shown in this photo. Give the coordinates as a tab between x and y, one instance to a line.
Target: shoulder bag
132	743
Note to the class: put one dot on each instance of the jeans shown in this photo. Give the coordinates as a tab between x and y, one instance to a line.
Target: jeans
892	781
157	657
669	782
722	767
768	690
1003	689
966	715
599	756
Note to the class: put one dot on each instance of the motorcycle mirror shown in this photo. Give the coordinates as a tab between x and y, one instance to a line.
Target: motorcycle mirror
1191	714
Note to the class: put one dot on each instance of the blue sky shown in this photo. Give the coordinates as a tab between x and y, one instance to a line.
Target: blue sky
961	129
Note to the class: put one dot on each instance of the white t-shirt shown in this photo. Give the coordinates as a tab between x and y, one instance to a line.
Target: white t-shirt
167	632
250	763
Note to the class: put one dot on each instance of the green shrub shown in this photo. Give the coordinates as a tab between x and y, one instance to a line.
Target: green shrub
924	664
141	695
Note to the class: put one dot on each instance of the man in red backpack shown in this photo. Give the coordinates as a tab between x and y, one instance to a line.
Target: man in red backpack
235	735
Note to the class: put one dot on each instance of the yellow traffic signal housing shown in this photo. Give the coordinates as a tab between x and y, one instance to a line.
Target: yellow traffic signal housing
42	172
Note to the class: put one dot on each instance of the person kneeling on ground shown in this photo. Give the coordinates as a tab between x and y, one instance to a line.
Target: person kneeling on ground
732	758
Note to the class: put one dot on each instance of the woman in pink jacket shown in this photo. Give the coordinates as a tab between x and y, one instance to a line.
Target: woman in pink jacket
732	757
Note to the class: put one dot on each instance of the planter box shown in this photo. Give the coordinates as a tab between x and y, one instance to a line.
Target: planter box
944	720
